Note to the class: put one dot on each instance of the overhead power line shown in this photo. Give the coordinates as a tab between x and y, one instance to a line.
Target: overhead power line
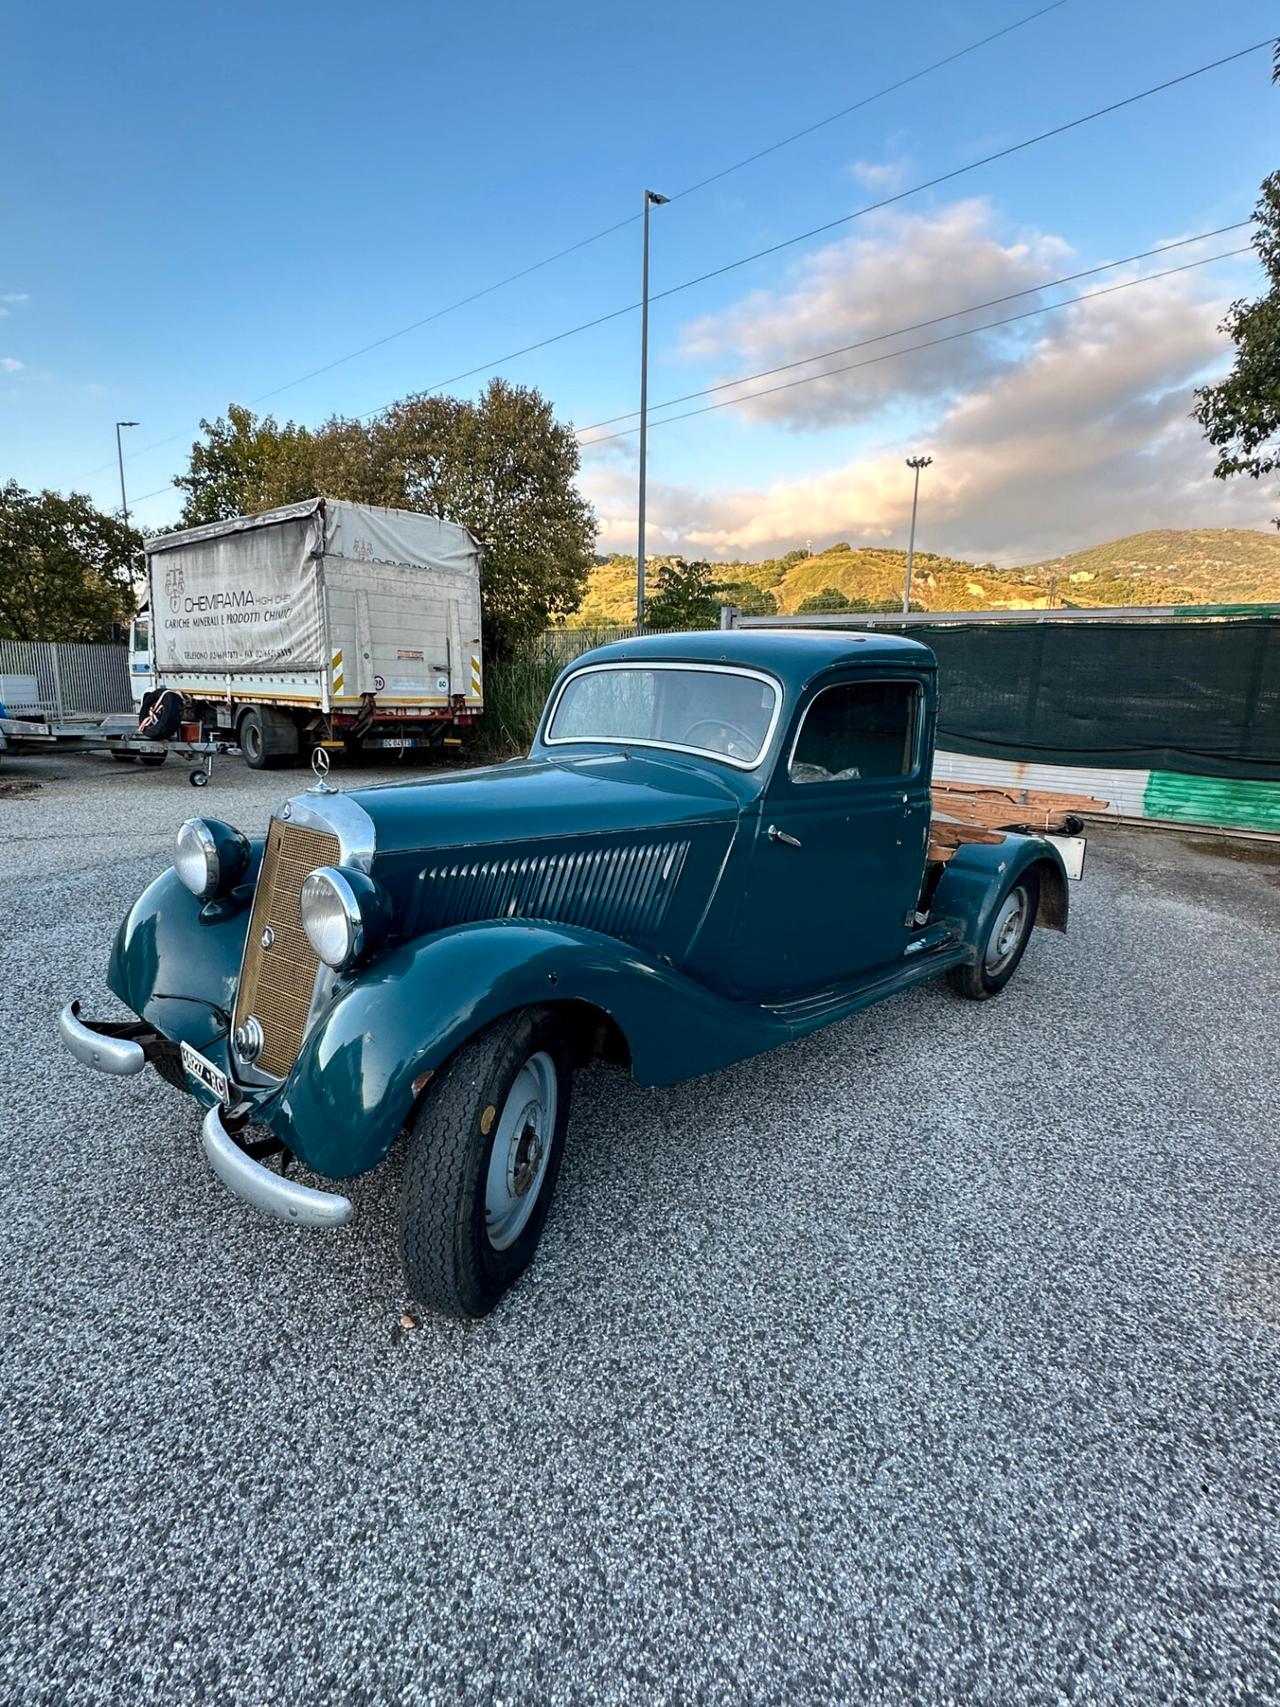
920	325
831	224
800	237
631	219
928	344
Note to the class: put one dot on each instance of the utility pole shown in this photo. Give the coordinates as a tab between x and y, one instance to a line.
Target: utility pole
916	462
124	502
651	199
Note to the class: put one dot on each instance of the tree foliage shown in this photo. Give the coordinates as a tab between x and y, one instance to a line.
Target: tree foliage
501	466
66	568
1241	413
685	596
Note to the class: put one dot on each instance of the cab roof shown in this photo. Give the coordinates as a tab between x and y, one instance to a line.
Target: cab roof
794	654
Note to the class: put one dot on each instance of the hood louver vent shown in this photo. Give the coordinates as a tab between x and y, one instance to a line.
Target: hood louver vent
620	891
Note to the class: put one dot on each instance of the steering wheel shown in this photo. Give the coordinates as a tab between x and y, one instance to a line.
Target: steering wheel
739	744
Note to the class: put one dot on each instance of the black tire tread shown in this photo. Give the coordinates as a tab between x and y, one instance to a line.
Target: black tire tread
436	1166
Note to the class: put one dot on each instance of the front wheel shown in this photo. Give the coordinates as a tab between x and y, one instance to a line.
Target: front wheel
484	1153
1005	943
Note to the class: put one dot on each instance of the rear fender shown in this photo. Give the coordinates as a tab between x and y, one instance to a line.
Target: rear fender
367	1060
979	873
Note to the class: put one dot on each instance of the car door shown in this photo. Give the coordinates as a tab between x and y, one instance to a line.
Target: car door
839	852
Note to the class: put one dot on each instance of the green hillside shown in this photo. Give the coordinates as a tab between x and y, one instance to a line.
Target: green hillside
1166	566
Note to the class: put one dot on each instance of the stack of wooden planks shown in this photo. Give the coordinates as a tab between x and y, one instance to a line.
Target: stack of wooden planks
972	812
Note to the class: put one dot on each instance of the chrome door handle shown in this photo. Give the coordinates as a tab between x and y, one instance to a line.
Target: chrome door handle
776	835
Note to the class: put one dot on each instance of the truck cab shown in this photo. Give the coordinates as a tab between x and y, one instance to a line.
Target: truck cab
141	673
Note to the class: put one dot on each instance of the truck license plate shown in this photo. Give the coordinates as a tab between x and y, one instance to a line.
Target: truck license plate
393	741
211	1077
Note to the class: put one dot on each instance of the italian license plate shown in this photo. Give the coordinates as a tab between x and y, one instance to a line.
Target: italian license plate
211	1077
393	741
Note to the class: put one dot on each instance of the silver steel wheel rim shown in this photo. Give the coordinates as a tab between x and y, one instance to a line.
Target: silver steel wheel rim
1007	931
521	1150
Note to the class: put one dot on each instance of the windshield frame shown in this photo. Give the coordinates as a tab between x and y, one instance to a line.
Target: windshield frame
766	745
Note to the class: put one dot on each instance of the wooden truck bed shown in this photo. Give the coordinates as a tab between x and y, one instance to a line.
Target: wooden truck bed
971	812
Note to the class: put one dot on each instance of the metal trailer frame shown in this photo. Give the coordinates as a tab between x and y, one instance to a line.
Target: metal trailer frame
20	735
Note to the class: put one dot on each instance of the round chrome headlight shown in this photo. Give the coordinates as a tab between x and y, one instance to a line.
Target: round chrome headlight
209	857
344	914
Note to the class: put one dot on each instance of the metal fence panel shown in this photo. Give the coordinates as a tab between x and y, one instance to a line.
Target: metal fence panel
59	680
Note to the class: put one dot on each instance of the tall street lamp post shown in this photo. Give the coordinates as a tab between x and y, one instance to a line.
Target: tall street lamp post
916	462
124	502
651	199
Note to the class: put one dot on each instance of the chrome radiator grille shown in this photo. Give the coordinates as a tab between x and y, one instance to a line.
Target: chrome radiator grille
277	983
619	891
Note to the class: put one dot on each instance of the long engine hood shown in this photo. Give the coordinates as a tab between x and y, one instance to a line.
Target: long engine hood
531	799
625	845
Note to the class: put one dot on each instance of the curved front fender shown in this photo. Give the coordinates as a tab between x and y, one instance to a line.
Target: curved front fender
353	1087
176	960
978	873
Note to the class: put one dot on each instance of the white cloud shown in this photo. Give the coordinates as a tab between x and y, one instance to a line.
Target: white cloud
1077	437
11	364
879	175
10	299
910	269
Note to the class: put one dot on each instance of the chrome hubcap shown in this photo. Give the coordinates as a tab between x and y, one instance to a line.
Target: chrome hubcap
1007	931
521	1147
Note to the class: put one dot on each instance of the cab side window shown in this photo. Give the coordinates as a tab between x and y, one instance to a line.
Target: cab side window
857	730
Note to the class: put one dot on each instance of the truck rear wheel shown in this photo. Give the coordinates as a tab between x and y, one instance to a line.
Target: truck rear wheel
484	1153
1005	942
267	738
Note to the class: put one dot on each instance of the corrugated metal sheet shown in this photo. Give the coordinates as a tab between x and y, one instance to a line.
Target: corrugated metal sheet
1218	802
1124	789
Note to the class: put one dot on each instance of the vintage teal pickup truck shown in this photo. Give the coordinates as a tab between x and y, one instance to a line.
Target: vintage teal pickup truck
717	843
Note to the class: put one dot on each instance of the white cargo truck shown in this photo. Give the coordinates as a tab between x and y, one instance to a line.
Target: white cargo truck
321	623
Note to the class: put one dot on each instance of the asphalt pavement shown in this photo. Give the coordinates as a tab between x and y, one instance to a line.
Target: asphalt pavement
934	1359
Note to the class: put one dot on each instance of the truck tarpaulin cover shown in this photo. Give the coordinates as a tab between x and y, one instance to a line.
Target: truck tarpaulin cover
1199	696
239	600
244	595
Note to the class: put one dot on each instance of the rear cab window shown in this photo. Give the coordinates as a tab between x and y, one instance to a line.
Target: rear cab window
855	731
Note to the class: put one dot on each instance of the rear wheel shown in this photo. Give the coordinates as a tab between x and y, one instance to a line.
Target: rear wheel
152	759
484	1153
253	740
1005	943
123	758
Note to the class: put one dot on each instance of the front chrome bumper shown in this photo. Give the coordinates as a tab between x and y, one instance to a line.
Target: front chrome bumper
99	1048
111	1048
270	1192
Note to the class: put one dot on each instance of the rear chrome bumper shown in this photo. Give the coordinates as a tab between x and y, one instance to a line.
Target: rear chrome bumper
265	1190
107	1050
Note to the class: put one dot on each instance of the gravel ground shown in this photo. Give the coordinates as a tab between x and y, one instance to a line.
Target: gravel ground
933	1359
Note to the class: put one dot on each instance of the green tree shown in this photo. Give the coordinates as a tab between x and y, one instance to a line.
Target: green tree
1241	413
685	596
750	599
505	468
66	568
828	602
245	465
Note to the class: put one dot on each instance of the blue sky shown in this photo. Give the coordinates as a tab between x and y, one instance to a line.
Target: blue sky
203	205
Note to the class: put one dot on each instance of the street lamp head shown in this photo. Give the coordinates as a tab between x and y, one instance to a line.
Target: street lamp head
655	200
919	461
126	423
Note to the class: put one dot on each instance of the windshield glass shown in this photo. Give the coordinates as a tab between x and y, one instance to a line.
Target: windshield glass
725	713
